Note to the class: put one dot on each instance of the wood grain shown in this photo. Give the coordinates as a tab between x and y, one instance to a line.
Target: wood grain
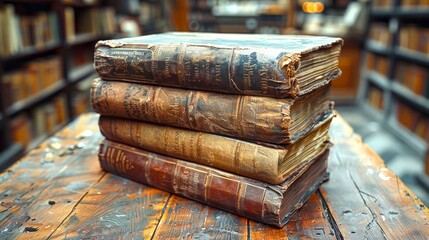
39	191
366	199
185	219
115	208
58	191
309	222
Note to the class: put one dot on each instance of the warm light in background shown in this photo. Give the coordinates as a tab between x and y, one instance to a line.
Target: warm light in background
313	7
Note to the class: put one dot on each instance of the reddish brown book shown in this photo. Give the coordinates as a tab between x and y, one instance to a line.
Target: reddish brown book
277	121
272	164
254	64
266	203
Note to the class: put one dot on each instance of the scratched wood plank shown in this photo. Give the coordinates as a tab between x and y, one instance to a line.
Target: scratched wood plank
309	222
364	198
40	190
115	208
186	219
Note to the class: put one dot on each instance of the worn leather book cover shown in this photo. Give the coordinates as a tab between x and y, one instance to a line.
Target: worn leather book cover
272	164
256	118
249	64
266	203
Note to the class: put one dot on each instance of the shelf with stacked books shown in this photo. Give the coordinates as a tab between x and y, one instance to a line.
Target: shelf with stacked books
32	126
377	47
381	12
41	59
414	12
31	101
410	124
413	56
398	65
378	79
30	52
419	101
81	72
80	3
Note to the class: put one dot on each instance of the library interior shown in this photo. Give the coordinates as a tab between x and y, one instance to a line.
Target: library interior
47	66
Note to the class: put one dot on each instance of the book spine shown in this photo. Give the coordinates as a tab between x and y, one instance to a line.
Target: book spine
230	70
267	203
229	154
248	117
191	181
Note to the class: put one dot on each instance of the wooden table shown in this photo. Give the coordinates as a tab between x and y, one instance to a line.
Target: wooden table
58	191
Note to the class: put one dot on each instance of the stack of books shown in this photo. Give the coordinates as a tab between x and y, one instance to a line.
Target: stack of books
238	122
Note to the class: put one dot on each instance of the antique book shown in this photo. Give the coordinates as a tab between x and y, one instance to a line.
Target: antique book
267	203
272	164
269	65
272	120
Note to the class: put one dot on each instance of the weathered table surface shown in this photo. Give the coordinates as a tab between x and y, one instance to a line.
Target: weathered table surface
58	191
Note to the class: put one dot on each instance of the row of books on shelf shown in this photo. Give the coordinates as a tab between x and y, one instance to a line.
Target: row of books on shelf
377	63
415	3
379	32
81	97
403	3
415	38
89	21
46	118
31	79
20	32
413	120
42	120
375	98
382	3
413	77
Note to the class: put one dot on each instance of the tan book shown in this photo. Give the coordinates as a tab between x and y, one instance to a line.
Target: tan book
277	121
70	27
272	164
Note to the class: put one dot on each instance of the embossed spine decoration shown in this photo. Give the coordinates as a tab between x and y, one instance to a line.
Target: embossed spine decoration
270	204
268	164
249	117
267	72
277	66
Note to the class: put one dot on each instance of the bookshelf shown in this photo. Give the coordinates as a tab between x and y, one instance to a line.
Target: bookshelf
395	79
46	55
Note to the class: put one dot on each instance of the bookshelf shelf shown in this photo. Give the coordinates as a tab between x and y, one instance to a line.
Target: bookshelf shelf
409	55
408	137
374	113
81	72
30	1
40	86
35	99
377	47
80	3
413	13
31	52
82	38
405	80
378	79
420	102
381	12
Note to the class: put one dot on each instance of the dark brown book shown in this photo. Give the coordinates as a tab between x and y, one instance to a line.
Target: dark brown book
266	203
248	64
272	164
272	120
